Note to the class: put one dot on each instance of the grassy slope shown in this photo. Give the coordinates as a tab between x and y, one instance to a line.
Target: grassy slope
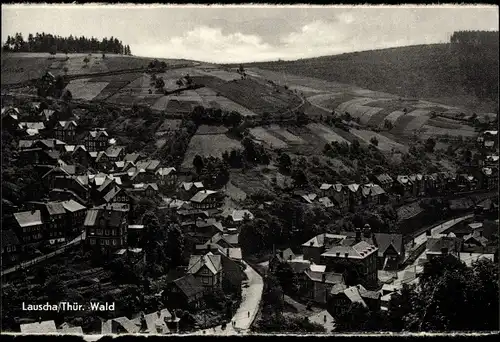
430	72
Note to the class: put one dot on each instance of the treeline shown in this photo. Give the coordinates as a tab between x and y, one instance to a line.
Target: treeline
41	42
475	37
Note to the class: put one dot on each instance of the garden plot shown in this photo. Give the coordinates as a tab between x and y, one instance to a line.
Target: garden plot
384	144
326	133
429	131
85	90
161	103
364	113
169	125
447	123
419	112
291	138
369	114
356	101
209	145
329	101
206	129
416	123
392	117
228	105
261	134
401	123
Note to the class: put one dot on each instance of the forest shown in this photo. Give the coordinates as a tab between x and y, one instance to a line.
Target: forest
42	42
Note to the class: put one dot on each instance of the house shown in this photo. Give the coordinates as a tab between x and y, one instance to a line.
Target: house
31	128
200	230
417	184
184	292
307	198
169	127
334	250
442	246
340	196
145	189
234	217
207	269
489	139
65	328
120	325
106	229
65	131
391	250
373	194
45	327
166	178
318	283
206	199
49	178
491	160
384	180
10	118
467	182
118	195
355	195
403	186
77	184
342	298
96	140
131	157
224	240
115	153
188	189
11	247
75	216
135	235
476	239
153	323
50	145
326	202
29	226
54	219
488	178
80	155
429	184
233	253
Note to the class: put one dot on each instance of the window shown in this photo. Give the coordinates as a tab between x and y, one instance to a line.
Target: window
101	242
204	280
114	242
99	231
106	232
92	241
107	242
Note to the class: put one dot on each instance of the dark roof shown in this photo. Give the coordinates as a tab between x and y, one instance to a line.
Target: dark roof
114	217
9	238
55	208
384	178
435	245
189	285
384	240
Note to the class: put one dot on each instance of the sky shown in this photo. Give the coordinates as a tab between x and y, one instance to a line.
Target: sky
222	34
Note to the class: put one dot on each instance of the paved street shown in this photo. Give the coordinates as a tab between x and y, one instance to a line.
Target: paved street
248	309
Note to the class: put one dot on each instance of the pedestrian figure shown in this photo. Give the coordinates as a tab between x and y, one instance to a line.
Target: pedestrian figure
248	314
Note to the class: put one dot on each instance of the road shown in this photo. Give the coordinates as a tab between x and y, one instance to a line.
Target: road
35	261
249	306
439	229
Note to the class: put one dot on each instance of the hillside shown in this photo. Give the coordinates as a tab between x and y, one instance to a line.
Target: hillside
441	72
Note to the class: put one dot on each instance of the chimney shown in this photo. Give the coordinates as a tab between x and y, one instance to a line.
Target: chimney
324	318
346	255
338	254
367	231
358	234
428	232
290	257
481	232
227	252
323	277
311	243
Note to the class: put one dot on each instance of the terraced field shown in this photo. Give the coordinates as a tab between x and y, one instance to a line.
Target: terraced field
85	90
284	133
261	134
209	145
326	133
384	144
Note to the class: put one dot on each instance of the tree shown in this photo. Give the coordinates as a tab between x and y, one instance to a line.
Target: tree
159	83
353	319
429	145
198	163
241	70
285	162
272	297
86	60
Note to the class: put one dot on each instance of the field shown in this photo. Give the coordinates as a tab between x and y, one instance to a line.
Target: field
428	131
221	74
326	133
206	129
15	69
211	100
436	72
116	82
249	94
209	145
85	90
261	134
284	133
384	144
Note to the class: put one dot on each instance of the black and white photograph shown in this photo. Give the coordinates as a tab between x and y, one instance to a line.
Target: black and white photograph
232	170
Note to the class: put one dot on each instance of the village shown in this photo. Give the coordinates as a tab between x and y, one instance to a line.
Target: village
288	184
90	189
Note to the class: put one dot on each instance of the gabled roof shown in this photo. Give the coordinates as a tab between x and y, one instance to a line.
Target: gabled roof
353	187
66	124
9	238
309	198
435	245
358	251
113	216
211	261
188	185
28	218
55	208
238	215
32	125
98	134
384	240
189	285
25	144
132	157
384	178
165	171
114	151
325	186
124	322
319	240
202	195
330	277
72	206
403	180
112	193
